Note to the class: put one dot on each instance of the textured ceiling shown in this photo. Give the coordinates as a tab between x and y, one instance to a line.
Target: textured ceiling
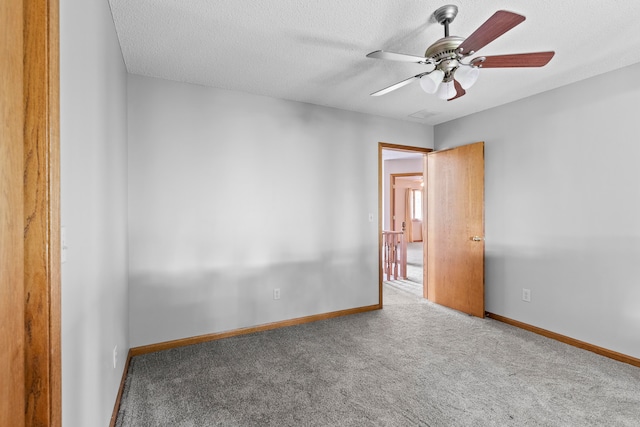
314	50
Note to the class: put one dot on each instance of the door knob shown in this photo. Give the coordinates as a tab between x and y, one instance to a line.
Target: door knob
477	239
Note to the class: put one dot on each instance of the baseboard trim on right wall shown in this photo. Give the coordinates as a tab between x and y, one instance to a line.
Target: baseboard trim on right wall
568	340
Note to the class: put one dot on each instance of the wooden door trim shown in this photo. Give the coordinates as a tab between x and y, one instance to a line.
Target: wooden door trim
397	147
388	146
568	340
42	213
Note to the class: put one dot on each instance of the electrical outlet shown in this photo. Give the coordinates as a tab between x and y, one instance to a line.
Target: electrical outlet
115	357
276	293
526	295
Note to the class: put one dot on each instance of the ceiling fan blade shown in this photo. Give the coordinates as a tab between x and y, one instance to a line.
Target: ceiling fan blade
536	59
397	85
459	90
501	22
392	56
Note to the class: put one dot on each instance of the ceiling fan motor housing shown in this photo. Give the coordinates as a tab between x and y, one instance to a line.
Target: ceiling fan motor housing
445	55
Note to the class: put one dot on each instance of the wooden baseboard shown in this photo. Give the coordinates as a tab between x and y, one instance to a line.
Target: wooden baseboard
136	351
568	340
116	407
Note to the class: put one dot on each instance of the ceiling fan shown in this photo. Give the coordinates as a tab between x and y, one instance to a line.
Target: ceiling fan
450	76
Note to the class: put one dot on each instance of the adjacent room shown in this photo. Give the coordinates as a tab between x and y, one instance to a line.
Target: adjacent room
223	197
403	220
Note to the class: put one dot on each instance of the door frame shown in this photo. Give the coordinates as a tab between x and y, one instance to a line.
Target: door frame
42	298
395	147
392	194
31	360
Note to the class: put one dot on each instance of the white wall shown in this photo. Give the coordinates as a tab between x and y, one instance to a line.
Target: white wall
213	228
94	211
396	166
563	208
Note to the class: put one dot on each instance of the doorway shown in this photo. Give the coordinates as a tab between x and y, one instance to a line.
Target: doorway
453	230
406	194
406	215
402	201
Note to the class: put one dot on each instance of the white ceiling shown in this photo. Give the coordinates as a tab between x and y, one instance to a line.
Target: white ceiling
314	50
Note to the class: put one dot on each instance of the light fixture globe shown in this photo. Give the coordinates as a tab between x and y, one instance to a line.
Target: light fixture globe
430	82
447	90
467	75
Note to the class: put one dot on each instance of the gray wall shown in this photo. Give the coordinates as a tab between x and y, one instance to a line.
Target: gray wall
94	211
563	208
232	195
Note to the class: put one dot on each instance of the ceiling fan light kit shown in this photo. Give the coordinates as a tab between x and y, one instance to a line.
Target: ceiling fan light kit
450	76
430	82
467	75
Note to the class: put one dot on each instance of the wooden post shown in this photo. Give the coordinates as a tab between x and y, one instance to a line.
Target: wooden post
403	252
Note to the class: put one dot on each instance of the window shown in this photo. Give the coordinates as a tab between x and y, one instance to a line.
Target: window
416	204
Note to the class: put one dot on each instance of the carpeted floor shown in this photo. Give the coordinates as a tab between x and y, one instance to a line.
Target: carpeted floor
407	286
414	253
411	364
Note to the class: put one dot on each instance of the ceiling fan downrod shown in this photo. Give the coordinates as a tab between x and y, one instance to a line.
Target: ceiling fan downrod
445	15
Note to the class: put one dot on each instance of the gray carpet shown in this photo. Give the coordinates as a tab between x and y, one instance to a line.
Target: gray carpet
411	364
407	286
414	253
415	263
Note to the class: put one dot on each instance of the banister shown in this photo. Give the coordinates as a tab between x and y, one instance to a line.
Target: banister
394	254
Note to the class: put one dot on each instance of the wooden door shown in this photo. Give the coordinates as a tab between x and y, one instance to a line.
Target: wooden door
455	228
